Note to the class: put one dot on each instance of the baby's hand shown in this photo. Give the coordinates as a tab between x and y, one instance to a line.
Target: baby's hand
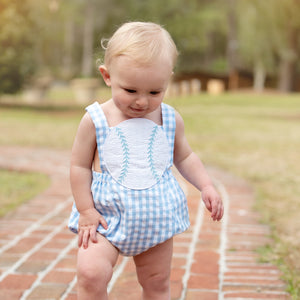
213	202
88	223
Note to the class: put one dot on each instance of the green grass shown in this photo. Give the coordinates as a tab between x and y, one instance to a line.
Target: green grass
38	127
17	188
51	123
253	136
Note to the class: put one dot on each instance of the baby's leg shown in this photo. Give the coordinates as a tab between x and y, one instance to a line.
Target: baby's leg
95	268
153	270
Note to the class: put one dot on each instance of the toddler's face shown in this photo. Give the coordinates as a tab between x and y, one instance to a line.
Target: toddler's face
138	90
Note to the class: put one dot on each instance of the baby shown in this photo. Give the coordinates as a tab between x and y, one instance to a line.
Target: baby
127	200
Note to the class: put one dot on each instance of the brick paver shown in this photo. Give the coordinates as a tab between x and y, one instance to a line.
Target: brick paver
212	260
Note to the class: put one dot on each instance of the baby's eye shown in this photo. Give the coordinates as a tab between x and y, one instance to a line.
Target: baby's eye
130	91
154	92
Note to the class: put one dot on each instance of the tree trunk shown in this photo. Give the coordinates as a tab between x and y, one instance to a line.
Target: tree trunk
68	45
87	59
288	63
259	77
286	74
232	44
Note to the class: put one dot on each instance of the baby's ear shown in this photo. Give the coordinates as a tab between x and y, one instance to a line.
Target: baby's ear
105	74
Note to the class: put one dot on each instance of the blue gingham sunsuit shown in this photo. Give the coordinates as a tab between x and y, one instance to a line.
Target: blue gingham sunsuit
138	218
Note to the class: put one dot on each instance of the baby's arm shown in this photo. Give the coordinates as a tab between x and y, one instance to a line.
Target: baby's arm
192	169
81	177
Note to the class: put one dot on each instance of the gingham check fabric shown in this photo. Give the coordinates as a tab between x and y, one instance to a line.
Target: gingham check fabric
137	219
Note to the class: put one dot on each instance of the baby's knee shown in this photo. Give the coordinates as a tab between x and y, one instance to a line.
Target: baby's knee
94	276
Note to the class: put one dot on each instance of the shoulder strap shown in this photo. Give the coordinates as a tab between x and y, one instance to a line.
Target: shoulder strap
101	125
97	115
169	125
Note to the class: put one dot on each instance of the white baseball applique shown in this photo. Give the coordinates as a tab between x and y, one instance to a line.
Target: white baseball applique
136	153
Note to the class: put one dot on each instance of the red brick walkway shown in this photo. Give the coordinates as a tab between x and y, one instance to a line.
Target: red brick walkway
212	261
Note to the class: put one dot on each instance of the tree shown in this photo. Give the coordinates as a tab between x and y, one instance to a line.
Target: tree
256	45
62	38
16	41
287	29
88	38
96	14
198	28
268	38
232	44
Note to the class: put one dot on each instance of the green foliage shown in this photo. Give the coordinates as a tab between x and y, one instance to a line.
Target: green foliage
16	42
268	31
47	37
198	28
255	36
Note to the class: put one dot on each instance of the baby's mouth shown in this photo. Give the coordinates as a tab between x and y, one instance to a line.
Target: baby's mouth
137	109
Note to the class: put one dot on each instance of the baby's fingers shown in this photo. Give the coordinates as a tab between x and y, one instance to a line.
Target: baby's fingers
207	204
85	238
103	222
214	210
217	212
80	238
221	213
93	235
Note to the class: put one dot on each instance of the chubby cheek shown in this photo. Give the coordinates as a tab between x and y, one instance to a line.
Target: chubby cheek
121	99
156	102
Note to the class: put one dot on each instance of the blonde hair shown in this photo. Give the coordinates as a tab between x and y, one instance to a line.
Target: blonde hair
141	41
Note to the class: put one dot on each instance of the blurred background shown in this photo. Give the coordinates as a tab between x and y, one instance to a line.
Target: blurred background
236	84
247	44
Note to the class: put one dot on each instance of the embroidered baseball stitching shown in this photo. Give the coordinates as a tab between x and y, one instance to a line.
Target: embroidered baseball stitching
150	152
125	149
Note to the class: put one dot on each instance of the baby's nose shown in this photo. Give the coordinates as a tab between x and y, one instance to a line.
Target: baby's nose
142	101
